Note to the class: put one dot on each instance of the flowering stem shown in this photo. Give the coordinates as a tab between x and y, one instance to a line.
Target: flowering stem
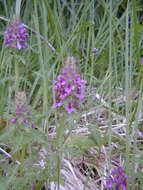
22	155
16	74
59	131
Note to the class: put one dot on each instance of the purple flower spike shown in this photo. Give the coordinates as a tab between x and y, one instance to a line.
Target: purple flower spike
68	87
14	120
119	178
15	36
109	183
26	121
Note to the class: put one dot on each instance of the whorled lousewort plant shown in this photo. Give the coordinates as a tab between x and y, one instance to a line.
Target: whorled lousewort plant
15	36
69	87
118	179
22	114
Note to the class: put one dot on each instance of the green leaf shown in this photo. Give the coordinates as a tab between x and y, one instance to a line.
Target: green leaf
96	136
84	142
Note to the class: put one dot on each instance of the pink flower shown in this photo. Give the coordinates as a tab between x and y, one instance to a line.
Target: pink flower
58	103
33	126
78	81
79	94
69	88
14	120
64	72
70	109
63	93
61	80
26	121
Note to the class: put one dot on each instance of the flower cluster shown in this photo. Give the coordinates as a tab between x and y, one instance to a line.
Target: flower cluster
119	178
69	87
21	111
15	36
21	114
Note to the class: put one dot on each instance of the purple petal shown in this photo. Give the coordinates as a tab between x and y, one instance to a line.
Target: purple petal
70	109
26	121
28	112
64	72
58	103
33	126
109	183
141	61
19	114
14	120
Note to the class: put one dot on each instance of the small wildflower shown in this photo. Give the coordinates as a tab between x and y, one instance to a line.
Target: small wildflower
21	109
141	61
33	126
15	36
26	121
69	87
109	182
70	108
95	51
14	120
119	178
28	113
58	103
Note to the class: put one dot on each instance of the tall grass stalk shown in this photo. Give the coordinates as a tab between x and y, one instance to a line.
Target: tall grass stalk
17	8
43	67
110	83
134	133
127	91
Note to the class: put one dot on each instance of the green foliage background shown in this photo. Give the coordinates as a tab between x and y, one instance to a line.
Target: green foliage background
74	28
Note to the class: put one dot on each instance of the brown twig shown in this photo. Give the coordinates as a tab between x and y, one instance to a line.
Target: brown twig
8	155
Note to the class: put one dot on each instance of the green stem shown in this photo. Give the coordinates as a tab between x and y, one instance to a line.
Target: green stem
59	169
40	184
110	85
127	98
59	131
22	155
136	32
16	74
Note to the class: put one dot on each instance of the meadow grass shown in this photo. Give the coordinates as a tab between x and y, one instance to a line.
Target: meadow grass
46	148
